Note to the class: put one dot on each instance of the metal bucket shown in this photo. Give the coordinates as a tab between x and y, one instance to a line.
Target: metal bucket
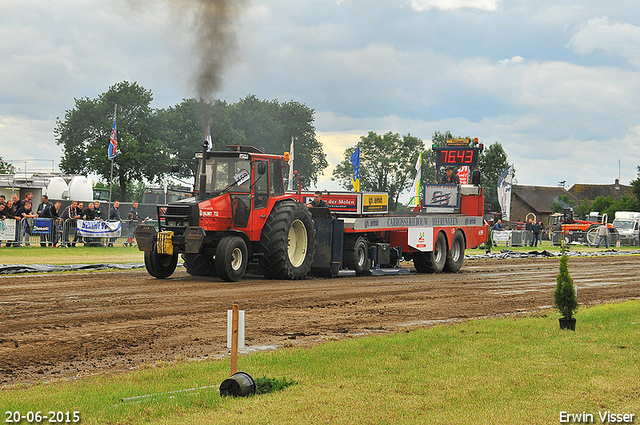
240	384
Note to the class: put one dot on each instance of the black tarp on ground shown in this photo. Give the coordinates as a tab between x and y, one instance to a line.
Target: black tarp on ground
44	268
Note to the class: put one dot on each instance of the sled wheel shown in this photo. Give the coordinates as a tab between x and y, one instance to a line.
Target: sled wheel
355	254
287	242
231	258
455	256
434	261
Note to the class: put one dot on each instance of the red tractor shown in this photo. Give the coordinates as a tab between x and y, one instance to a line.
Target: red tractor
240	211
585	231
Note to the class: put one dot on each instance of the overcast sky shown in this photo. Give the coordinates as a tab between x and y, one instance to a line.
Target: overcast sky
557	83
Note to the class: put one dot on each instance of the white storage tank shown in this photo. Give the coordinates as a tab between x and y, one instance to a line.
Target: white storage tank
57	189
80	189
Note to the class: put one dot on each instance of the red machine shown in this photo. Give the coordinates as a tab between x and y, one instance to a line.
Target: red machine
241	213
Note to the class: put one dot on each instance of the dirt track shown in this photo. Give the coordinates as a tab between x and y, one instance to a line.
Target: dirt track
70	325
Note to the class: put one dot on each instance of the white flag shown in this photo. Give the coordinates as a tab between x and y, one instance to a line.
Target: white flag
208	138
291	165
504	192
415	189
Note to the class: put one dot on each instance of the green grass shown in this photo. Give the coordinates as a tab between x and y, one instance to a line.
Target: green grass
519	369
76	255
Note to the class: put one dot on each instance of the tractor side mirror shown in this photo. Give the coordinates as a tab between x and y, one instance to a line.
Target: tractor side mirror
262	168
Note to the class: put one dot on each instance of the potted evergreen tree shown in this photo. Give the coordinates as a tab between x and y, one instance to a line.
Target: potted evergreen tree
565	297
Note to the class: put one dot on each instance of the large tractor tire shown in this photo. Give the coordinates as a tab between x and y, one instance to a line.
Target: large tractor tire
434	261
287	242
160	265
355	254
455	256
231	258
199	264
592	235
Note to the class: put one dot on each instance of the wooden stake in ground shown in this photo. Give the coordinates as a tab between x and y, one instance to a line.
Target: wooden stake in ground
234	338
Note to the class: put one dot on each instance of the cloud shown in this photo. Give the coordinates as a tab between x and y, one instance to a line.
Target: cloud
621	39
422	5
513	61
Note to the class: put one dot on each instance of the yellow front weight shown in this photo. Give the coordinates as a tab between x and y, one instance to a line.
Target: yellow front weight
165	244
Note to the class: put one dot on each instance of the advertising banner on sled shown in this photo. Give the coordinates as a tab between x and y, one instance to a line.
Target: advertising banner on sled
8	230
99	228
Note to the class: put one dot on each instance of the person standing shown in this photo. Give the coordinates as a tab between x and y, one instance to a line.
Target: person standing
603	233
42	207
26	215
114	215
535	229
54	214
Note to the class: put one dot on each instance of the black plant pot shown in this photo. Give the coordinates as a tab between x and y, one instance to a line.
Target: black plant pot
567	323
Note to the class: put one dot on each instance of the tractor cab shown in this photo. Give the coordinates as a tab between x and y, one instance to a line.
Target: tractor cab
237	188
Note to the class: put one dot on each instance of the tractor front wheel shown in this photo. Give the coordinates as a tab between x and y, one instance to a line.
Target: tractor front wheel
231	258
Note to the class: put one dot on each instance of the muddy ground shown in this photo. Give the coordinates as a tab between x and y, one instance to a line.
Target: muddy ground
55	326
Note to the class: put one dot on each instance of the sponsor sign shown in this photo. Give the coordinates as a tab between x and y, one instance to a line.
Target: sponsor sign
375	202
99	228
41	226
441	195
395	222
338	202
420	238
8	230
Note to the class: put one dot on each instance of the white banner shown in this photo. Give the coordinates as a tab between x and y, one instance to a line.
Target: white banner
8	229
463	174
504	192
99	228
441	195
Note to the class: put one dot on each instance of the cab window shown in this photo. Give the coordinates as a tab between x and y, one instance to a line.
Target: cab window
277	182
261	185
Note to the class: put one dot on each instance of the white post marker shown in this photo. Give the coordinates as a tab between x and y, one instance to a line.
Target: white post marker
240	328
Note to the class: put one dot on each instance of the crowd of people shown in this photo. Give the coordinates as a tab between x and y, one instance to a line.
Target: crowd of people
23	212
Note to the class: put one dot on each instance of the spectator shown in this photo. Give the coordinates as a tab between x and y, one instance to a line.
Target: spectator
134	218
26	215
28	198
114	215
3	212
96	207
535	229
16	201
3	199
89	213
53	213
43	205
498	225
603	232
69	215
10	216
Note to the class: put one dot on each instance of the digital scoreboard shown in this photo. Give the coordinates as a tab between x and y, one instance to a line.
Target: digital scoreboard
457	156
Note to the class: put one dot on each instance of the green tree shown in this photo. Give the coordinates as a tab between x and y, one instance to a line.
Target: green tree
491	163
635	188
387	164
85	132
270	126
565	297
6	168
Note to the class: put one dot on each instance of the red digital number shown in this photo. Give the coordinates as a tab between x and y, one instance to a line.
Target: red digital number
468	157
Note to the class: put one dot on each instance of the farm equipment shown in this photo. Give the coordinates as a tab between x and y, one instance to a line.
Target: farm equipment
583	231
240	214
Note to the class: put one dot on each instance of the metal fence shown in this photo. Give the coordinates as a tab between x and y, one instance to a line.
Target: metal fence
49	232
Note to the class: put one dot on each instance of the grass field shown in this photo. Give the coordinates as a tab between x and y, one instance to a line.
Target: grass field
516	370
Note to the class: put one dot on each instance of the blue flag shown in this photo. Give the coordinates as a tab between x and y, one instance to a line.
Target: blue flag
355	179
113	143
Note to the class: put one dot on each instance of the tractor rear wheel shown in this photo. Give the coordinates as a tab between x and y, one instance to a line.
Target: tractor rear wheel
160	265
287	242
592	235
231	258
199	264
455	256
355	254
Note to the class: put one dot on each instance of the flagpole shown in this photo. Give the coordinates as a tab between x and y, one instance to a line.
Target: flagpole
115	109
